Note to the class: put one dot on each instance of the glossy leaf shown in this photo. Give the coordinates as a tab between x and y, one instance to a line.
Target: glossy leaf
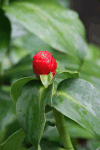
46	79
80	101
17	86
14	141
30	109
63	32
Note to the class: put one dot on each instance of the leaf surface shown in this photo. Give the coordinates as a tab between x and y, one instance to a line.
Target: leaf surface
56	25
80	101
14	141
30	109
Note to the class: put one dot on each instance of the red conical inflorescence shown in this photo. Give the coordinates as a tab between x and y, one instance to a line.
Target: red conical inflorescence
44	63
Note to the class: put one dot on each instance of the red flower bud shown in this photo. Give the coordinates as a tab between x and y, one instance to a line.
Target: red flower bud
44	63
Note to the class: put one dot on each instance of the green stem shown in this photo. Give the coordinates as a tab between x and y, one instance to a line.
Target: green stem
4	2
62	128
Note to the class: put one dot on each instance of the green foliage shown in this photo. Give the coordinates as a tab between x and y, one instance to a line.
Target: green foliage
79	100
25	101
16	138
49	24
7	112
31	115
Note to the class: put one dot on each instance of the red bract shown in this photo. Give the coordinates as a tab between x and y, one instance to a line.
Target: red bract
44	63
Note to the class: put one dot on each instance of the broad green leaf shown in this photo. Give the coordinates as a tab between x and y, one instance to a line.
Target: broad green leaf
46	79
17	86
7	112
63	32
31	109
80	101
14	141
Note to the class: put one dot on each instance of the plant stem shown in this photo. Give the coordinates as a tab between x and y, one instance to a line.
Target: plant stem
4	2
62	128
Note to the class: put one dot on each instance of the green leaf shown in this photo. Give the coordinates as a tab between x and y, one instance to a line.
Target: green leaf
80	101
62	74
64	3
46	79
45	145
17	86
11	128
64	32
91	78
18	53
93	144
68	62
30	109
7	112
74	129
23	68
31	43
90	71
23	148
5	33
90	68
93	52
14	141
